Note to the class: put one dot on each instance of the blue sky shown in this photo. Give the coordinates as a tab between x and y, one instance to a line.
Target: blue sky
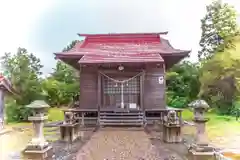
47	26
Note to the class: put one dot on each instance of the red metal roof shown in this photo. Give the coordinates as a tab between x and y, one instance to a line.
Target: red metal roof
106	48
125	48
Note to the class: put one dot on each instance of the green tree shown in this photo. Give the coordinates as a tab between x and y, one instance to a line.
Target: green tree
62	87
219	25
70	46
182	84
23	70
220	79
64	73
219	39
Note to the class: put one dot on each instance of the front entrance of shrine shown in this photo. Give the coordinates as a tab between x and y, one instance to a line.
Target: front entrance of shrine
121	92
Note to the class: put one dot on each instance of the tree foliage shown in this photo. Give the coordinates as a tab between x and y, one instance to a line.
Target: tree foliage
182	84
23	70
220	79
70	46
219	57
62	87
219	25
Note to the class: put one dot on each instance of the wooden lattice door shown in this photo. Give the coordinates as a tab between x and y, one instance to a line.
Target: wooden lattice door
112	92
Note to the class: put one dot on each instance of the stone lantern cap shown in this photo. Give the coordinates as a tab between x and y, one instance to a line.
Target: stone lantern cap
38	104
199	104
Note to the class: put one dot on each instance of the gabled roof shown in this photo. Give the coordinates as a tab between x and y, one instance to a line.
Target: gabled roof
126	47
122	48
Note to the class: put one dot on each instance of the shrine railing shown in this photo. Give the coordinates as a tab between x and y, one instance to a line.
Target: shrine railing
152	115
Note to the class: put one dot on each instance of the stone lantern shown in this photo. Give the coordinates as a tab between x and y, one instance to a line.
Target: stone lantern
38	147
200	107
201	149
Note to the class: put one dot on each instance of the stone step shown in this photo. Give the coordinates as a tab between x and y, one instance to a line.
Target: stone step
121	120
120	114
121	117
120	124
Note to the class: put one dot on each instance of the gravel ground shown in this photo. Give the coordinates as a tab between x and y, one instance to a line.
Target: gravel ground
65	151
120	144
177	150
112	144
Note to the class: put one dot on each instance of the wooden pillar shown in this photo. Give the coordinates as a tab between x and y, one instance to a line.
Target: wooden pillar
80	68
142	95
99	96
1	109
142	90
164	83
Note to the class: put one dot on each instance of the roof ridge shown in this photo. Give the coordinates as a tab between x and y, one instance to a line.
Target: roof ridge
122	34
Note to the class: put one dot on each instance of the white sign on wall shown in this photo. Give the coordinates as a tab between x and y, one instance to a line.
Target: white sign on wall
161	80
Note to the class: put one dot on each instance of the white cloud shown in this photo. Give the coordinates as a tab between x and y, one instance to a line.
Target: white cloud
17	18
181	18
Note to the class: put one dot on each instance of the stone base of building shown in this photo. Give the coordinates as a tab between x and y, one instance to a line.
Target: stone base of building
45	154
193	155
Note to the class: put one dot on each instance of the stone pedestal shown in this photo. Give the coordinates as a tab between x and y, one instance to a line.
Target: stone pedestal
201	137
69	129
172	128
38	148
44	154
193	155
172	134
69	132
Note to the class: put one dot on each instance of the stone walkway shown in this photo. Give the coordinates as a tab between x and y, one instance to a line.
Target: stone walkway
119	145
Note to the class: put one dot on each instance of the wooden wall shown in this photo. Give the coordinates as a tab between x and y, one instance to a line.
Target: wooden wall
88	88
153	96
154	93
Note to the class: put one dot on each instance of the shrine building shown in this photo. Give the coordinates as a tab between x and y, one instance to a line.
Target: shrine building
122	75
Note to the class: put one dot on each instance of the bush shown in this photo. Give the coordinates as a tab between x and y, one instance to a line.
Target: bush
55	114
176	101
16	113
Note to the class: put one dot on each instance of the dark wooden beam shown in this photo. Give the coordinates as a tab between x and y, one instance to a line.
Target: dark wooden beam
142	90
80	68
164	83
99	90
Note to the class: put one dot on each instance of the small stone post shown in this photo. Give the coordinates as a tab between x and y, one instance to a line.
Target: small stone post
201	150
38	147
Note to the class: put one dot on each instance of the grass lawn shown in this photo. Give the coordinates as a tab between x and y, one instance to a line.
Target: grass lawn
223	131
54	114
